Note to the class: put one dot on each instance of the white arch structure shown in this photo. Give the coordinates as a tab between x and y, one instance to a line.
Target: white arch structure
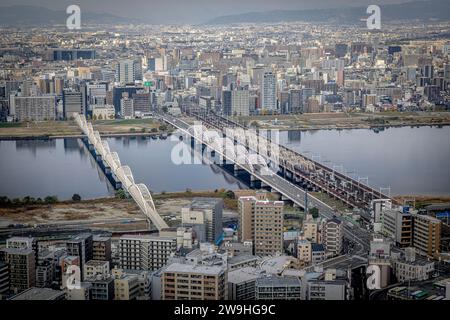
139	192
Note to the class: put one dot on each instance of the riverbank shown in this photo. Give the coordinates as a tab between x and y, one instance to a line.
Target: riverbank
69	129
420	201
344	121
109	211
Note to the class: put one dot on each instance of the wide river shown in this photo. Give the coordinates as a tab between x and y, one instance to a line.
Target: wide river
408	160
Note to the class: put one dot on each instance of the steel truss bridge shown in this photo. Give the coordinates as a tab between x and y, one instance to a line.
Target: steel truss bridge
139	192
304	171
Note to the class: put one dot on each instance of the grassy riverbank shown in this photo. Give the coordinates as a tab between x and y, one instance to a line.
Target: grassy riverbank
48	129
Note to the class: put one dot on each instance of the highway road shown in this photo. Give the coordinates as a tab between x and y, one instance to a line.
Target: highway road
355	234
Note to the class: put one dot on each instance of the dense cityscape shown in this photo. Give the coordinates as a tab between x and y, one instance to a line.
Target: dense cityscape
272	222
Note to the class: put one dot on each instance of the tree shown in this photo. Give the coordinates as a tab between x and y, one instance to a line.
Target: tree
162	127
143	130
314	212
165	109
154	130
51	199
76	197
132	130
121	194
230	194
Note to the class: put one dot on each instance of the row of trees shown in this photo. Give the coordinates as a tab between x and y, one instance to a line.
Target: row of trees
5	201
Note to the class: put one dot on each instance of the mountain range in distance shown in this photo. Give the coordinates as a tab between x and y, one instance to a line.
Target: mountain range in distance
416	10
26	16
39	16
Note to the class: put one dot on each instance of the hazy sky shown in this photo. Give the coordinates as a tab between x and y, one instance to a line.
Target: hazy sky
189	11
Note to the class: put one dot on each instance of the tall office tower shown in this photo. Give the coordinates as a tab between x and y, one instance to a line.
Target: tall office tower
141	101
210	210
59	86
143	252
72	103
340	77
428	71
126	106
333	236
283	99
269	92
261	221
194	282
128	71
426	235
295	100
227	102
240	103
101	248
39	108
22	268
81	246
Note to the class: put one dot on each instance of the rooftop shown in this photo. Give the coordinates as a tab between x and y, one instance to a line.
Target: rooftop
204	203
244	275
188	268
277	281
39	294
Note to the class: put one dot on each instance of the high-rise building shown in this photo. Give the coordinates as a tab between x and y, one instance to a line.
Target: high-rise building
227	102
81	246
194	282
129	71
269	92
333	236
101	248
141	102
399	226
72	103
426	234
295	100
126	107
209	212
142	252
261	221
33	108
22	268
240	103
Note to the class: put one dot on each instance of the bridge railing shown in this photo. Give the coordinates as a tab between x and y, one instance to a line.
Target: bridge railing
139	192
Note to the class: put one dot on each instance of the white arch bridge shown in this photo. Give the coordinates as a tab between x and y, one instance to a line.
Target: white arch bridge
139	192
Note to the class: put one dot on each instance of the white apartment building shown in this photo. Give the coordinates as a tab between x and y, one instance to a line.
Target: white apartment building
144	252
